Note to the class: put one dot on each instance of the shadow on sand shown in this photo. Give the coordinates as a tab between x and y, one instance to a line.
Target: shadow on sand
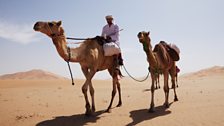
141	115
74	120
145	90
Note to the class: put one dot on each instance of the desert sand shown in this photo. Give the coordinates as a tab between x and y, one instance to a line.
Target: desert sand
58	103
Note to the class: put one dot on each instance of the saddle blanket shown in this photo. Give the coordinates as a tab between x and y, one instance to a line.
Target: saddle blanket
111	49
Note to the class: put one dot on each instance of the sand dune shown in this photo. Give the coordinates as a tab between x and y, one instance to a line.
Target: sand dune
58	103
35	74
208	72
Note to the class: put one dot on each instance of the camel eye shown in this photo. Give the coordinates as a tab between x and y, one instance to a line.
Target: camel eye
50	24
139	34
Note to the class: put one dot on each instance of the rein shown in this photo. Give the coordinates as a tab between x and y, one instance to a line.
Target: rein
69	58
71	38
78	38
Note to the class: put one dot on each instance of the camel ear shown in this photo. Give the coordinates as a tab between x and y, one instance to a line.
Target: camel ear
59	23
148	32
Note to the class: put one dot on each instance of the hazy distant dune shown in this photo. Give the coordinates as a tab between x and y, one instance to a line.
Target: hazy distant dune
208	72
35	74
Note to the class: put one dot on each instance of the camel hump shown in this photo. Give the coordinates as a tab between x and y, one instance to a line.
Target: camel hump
100	40
160	49
172	50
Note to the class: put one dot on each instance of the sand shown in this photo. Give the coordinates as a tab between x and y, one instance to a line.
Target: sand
58	103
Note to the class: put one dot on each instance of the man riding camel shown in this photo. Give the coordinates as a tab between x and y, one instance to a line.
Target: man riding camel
111	33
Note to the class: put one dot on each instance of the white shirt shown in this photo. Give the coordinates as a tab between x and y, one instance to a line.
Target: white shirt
112	31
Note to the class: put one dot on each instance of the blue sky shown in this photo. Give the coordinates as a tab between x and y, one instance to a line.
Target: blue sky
195	26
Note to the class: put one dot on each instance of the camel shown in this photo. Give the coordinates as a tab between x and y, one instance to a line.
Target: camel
159	60
89	55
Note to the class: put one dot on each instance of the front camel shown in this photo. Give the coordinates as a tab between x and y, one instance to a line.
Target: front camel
89	55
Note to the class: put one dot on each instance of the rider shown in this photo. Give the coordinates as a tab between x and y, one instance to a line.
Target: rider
111	32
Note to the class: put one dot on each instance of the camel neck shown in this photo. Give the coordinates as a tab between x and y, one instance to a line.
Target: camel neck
72	55
60	44
149	53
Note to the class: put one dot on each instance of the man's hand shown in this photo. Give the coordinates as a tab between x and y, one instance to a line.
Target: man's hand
108	38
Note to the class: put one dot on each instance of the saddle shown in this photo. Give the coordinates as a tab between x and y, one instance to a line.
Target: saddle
101	40
172	52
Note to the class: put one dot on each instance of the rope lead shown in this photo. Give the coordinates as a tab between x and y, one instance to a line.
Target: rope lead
135	78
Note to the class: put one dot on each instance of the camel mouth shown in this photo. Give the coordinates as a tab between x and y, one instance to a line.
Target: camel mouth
141	40
36	27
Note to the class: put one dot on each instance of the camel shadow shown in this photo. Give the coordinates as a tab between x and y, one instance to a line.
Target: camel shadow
141	115
146	90
73	120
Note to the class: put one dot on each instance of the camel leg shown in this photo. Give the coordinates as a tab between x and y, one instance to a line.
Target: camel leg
176	80
84	91
87	84
173	77
174	89
166	89
113	93
92	96
119	92
152	105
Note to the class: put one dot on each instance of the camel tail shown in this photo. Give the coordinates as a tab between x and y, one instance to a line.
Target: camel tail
120	74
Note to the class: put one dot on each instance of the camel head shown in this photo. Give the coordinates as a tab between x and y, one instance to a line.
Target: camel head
143	36
51	29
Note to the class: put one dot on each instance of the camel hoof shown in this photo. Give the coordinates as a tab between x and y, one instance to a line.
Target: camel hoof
108	111
151	110
166	105
175	99
119	104
93	109
88	114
